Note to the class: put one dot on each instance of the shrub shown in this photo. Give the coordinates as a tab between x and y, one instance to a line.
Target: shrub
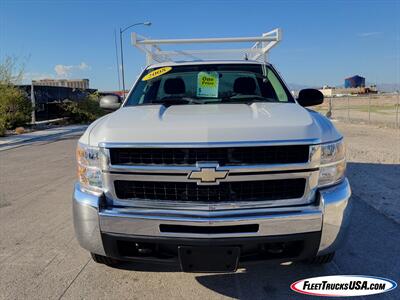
2	129
85	111
15	108
19	130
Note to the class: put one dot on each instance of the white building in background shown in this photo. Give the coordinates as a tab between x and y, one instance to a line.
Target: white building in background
337	92
71	83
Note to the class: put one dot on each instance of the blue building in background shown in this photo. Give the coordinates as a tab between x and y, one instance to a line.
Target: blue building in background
354	82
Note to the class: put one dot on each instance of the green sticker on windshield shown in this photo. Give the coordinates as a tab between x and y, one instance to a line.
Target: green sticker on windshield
207	84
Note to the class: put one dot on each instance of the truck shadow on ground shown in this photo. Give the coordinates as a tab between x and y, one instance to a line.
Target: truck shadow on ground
266	280
372	248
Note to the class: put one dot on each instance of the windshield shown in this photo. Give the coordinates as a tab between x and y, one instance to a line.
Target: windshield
207	84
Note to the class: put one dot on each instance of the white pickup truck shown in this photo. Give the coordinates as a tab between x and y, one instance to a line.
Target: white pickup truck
211	165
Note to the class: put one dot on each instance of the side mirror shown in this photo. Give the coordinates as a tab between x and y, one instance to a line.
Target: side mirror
310	97
110	102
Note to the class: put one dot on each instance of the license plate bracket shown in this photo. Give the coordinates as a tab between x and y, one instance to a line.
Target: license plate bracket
208	259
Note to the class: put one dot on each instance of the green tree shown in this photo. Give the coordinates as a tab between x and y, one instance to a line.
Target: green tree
15	108
11	71
85	111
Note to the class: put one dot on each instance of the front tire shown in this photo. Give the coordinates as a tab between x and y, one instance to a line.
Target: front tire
321	259
100	259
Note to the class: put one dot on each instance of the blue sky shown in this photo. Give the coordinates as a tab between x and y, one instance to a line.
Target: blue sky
323	42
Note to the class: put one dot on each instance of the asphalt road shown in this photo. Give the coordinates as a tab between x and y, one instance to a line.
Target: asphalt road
40	258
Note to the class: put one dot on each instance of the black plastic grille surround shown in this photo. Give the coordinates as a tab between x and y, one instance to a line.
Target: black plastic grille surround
224	156
226	191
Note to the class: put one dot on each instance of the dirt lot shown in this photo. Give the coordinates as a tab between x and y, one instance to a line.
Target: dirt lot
373	155
40	258
379	110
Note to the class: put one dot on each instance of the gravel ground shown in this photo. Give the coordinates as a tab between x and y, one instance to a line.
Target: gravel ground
373	156
40	257
379	110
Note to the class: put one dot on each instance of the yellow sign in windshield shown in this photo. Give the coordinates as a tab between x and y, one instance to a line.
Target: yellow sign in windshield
156	73
207	84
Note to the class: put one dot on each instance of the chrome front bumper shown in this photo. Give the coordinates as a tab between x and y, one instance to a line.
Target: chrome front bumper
330	216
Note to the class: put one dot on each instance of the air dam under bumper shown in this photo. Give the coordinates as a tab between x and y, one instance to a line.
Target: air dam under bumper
330	216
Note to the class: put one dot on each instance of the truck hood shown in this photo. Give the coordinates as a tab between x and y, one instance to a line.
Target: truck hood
274	122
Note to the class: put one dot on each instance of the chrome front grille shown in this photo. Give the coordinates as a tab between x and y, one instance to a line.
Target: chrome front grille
261	190
280	180
285	154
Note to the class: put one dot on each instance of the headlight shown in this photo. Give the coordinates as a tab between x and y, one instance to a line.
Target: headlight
333	163
89	170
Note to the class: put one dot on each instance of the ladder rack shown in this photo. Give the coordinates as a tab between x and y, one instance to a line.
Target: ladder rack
258	52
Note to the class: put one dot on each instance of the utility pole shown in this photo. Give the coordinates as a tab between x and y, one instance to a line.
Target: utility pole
121	31
116	55
122	63
33	100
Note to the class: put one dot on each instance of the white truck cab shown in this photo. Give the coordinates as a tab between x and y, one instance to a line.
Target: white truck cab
210	165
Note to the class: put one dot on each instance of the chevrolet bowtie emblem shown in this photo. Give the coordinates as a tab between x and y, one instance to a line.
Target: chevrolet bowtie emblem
208	175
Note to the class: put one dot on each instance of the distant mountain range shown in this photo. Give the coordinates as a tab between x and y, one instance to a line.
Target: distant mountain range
382	87
388	87
297	87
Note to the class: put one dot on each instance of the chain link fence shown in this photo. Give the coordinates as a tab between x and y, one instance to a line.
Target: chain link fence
375	109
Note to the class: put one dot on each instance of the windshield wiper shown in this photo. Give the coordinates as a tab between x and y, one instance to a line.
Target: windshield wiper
248	99
177	101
